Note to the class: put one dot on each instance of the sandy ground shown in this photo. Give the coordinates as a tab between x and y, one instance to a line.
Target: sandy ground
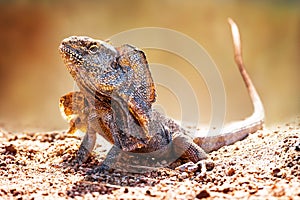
265	165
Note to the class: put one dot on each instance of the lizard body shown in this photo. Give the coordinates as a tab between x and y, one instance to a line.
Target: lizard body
115	100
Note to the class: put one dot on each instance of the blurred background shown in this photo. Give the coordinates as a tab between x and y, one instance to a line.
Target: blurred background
33	76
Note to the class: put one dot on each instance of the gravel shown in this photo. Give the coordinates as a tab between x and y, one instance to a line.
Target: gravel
265	165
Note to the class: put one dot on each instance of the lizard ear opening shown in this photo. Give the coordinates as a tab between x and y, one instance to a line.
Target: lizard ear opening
139	90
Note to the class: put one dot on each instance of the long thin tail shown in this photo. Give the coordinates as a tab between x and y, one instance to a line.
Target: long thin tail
240	129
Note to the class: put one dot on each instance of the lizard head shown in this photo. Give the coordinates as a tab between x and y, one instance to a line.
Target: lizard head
121	74
92	63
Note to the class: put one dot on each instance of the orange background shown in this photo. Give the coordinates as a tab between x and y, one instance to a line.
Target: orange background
33	76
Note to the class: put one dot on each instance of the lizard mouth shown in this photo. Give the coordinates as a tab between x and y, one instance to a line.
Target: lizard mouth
70	55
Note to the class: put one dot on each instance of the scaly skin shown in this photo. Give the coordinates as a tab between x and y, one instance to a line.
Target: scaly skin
115	100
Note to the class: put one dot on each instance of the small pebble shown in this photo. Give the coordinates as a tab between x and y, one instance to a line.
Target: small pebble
203	194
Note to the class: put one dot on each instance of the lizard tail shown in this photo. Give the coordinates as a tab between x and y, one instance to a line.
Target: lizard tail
240	129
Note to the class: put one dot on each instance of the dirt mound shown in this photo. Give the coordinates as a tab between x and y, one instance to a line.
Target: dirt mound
264	165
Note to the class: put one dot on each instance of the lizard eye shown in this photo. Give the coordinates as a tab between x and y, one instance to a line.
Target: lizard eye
93	49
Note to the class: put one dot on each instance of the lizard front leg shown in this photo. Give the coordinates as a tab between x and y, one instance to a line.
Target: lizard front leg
86	147
73	107
88	142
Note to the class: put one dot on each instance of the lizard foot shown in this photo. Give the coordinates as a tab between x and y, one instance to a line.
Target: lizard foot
82	156
98	170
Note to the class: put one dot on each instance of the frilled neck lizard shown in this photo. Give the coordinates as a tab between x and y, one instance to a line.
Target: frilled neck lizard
115	100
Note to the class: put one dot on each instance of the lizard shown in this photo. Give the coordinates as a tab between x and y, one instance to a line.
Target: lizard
115	98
